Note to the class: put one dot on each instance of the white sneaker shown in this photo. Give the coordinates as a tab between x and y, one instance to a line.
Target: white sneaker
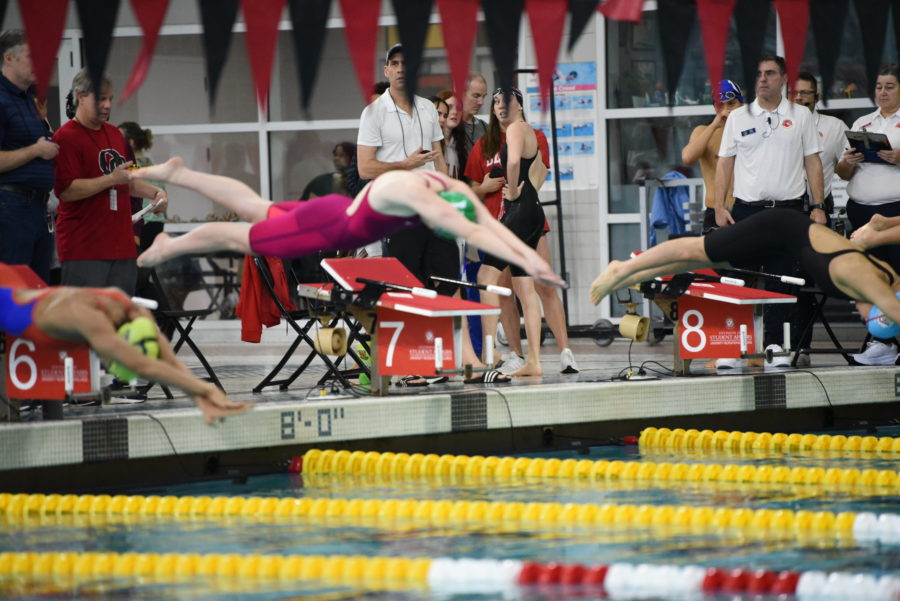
567	363
731	363
782	361
510	362
877	353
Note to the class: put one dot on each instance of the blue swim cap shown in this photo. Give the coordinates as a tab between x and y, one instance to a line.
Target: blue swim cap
880	325
729	90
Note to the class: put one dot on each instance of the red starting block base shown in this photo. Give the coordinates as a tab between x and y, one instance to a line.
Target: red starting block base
403	326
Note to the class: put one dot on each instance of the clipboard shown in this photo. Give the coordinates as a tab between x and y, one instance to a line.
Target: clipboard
868	143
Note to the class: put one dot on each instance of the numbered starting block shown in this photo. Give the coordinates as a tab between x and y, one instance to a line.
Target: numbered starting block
412	330
713	320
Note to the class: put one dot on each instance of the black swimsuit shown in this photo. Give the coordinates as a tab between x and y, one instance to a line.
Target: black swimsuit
523	216
773	233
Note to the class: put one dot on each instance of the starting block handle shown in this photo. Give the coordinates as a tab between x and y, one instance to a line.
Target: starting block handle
145	302
501	290
732	281
787	279
423	292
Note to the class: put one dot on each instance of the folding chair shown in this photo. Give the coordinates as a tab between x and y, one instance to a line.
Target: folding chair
293	318
818	302
180	321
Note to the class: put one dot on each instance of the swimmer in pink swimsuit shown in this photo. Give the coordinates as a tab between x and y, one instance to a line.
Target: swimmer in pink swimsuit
393	201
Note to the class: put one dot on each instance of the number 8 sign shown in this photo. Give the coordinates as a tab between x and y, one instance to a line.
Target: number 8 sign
710	329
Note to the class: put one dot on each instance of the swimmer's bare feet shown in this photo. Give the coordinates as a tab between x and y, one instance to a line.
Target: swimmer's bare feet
529	369
157	253
605	282
164	172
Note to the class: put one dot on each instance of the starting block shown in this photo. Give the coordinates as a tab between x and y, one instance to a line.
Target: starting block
713	320
412	330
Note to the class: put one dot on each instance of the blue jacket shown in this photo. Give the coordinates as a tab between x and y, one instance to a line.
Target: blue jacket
668	208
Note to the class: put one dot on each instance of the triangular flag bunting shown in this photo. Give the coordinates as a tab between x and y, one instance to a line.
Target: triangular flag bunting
547	20
150	15
308	20
44	22
678	19
97	17
361	31
828	18
622	10
413	17
459	25
873	29
581	12
750	20
502	22
218	18
262	17
715	19
794	18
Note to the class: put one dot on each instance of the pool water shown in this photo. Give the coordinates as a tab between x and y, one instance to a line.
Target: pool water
536	541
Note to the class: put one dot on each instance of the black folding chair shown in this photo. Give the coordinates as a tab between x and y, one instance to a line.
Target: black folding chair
293	318
172	321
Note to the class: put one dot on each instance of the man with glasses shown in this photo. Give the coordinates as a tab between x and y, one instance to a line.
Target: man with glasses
770	150
704	146
830	129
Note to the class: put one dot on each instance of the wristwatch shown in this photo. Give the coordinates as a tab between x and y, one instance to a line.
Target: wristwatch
816	206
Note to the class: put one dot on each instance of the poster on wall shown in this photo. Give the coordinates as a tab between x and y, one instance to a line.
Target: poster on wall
575	98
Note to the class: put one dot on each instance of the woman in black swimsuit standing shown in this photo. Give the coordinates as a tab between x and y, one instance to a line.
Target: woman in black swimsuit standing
521	213
838	266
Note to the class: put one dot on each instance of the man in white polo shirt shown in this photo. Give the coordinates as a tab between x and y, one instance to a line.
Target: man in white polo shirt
830	129
770	149
398	133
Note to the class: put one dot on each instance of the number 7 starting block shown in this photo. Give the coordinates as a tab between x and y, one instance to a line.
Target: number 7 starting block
710	316
413	331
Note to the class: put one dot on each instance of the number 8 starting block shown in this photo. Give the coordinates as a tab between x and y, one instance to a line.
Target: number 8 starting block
710	317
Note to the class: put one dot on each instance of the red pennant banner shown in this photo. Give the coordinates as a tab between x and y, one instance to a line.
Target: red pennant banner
150	15
622	10
547	19
361	29
794	18
715	17
459	25
261	17
44	22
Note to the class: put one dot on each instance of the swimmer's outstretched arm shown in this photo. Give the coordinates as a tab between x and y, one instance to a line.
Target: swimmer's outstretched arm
411	190
95	328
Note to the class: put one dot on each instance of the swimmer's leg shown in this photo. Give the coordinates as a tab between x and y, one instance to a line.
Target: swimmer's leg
230	193
209	237
672	256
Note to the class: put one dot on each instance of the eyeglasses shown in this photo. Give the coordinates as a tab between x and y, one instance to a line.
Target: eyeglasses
804	93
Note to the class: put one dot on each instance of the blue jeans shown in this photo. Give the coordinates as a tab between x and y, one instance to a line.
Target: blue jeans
24	236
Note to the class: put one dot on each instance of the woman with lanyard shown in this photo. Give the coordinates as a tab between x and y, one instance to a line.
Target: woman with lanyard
874	187
521	213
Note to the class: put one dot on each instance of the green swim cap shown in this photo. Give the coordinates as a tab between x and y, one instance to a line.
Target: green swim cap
141	334
461	203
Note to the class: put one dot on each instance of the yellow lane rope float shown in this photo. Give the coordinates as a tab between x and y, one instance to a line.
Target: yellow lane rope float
317	461
760	523
756	443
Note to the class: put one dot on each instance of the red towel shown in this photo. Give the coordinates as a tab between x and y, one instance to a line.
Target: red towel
255	307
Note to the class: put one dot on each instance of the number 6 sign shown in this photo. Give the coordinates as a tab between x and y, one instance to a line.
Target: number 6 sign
34	373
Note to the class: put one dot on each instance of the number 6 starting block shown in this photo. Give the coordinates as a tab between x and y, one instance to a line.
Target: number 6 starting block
710	316
406	327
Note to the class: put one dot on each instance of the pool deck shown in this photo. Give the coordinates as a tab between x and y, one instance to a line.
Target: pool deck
164	441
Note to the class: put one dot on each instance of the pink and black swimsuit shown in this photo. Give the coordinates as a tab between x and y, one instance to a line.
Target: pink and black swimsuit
298	228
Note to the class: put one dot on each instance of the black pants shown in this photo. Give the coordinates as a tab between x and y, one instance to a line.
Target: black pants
426	254
798	314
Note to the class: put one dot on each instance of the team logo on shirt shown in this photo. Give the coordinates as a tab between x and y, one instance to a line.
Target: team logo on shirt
787	123
109	159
